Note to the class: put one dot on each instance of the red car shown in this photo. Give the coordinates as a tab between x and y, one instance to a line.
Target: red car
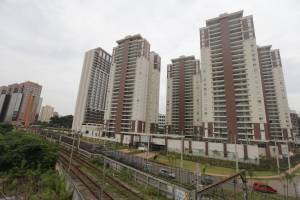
260	187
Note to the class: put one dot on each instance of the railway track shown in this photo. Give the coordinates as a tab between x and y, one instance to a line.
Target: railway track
126	191
90	185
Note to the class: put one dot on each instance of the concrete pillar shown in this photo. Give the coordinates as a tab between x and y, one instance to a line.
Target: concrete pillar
206	148
190	146
245	152
225	149
268	153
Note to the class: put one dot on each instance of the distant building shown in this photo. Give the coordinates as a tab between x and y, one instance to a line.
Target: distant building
90	104
133	92
46	113
19	103
184	96
161	123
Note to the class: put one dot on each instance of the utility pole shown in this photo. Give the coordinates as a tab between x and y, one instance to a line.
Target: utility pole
71	156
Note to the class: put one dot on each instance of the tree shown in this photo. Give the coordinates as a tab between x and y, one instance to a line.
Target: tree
61	122
52	186
5	128
27	166
36	153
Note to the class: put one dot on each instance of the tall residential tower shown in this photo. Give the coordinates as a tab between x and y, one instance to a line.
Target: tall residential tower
184	96
133	92
275	97
233	100
90	104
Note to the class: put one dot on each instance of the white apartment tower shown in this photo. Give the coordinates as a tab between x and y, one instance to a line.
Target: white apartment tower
233	101
184	96
90	104
275	97
46	113
133	92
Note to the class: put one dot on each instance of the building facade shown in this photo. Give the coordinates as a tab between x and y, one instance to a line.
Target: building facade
184	96
19	103
161	123
90	104
46	113
133	91
275	96
233	101
295	120
38	110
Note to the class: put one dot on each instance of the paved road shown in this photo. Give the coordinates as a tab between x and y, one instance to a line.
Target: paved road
279	186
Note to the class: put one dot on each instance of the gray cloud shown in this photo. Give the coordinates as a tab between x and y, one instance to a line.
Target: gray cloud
45	41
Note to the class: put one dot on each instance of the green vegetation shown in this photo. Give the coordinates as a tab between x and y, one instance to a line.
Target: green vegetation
111	144
173	160
265	164
5	128
58	122
126	176
61	122
27	167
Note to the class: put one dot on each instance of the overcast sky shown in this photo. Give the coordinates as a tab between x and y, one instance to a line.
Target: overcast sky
44	40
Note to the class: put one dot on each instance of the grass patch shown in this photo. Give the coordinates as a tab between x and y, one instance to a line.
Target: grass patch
210	169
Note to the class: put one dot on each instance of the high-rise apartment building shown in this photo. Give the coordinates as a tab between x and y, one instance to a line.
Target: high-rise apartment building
46	113
184	96
233	98
90	104
295	120
274	91
133	92
19	103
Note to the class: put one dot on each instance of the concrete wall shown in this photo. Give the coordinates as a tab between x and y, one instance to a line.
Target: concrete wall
92	131
215	150
159	141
